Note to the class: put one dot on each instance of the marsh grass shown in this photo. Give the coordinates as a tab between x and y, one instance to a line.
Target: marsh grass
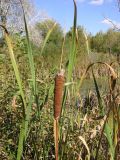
81	125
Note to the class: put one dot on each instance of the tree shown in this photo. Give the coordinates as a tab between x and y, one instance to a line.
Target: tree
11	13
11	16
112	40
97	42
106	42
81	52
54	43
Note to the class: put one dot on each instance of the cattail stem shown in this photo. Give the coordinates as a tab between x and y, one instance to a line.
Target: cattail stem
59	84
56	137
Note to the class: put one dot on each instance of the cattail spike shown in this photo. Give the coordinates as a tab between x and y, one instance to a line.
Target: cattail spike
59	84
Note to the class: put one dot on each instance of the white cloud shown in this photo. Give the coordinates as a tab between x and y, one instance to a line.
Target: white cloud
97	2
111	23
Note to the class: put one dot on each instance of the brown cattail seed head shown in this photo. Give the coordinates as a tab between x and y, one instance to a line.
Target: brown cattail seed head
59	85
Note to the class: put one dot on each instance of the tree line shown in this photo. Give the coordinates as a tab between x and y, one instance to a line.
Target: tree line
10	14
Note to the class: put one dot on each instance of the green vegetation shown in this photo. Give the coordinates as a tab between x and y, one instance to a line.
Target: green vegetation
106	42
88	123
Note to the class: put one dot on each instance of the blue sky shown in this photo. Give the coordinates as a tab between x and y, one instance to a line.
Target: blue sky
91	13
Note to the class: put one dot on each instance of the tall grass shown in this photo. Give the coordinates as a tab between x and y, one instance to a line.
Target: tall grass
72	127
72	55
73	49
24	129
17	74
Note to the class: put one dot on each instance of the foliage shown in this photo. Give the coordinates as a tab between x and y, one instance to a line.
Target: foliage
54	43
89	126
106	42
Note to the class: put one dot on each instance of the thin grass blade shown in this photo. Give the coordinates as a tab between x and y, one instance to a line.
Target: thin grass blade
30	54
47	37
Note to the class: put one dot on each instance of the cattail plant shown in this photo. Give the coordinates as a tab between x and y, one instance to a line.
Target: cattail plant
58	91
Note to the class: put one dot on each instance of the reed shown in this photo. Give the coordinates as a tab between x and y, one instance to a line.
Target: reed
72	56
19	81
58	92
73	128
